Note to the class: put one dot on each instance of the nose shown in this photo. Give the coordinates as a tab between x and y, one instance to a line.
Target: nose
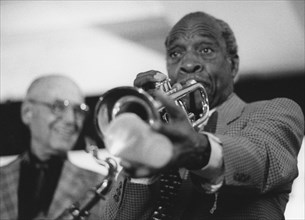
69	115
190	64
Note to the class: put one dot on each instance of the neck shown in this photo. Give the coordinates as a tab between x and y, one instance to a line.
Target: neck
43	153
42	156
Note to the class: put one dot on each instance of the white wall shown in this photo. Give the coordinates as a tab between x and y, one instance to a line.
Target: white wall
39	37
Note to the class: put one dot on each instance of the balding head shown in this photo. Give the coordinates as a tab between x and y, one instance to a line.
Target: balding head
54	86
54	112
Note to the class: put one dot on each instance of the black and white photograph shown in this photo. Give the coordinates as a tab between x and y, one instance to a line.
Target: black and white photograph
152	110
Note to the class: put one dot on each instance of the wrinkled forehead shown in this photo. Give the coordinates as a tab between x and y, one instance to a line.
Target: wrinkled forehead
195	25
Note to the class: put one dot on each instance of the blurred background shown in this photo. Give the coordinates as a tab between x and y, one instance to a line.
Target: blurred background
104	44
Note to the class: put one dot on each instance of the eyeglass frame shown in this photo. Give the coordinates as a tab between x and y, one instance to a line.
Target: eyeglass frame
59	107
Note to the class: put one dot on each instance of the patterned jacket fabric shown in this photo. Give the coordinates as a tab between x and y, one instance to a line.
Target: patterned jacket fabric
73	183
260	141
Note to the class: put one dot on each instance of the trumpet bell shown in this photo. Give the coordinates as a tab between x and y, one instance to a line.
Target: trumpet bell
122	100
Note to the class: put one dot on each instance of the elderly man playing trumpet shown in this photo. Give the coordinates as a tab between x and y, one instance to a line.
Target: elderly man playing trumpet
239	165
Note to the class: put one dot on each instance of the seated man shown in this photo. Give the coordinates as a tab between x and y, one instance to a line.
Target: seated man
41	183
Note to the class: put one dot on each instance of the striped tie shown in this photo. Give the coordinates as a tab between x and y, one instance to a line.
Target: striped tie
169	186
170	182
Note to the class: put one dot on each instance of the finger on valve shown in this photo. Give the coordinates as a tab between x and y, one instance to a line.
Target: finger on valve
145	78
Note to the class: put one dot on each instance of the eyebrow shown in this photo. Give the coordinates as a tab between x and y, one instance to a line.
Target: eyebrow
208	39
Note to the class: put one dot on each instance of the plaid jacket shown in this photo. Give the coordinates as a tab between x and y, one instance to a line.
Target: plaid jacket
74	182
260	140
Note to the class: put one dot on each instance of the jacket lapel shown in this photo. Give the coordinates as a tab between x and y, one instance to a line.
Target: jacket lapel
228	112
15	184
68	186
10	180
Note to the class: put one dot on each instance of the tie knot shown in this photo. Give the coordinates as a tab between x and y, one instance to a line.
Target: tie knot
41	166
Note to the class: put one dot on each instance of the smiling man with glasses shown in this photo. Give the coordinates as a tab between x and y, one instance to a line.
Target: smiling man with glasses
42	182
54	111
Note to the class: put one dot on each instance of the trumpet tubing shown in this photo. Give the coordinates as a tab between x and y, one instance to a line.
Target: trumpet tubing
135	100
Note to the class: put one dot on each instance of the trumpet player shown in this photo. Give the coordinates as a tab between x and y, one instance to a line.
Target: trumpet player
240	165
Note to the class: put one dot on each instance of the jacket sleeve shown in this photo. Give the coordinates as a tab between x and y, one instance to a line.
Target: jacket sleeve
260	152
129	200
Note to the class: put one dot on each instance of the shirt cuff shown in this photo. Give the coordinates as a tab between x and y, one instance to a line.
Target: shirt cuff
213	172
144	181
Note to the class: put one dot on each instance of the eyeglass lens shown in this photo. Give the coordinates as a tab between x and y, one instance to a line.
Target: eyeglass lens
60	106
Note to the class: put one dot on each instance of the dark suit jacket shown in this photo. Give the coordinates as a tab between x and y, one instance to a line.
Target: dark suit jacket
74	182
260	140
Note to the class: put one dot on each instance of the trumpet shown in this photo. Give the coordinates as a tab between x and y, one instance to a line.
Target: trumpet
138	101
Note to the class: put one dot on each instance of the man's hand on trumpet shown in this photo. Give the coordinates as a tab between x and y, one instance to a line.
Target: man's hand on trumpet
190	149
143	79
148	150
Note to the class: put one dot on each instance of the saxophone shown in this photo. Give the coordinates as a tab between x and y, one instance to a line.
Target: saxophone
80	210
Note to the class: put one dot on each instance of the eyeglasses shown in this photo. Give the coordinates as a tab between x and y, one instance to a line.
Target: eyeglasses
59	107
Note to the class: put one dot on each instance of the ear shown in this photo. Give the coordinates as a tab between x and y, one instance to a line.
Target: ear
234	62
26	113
